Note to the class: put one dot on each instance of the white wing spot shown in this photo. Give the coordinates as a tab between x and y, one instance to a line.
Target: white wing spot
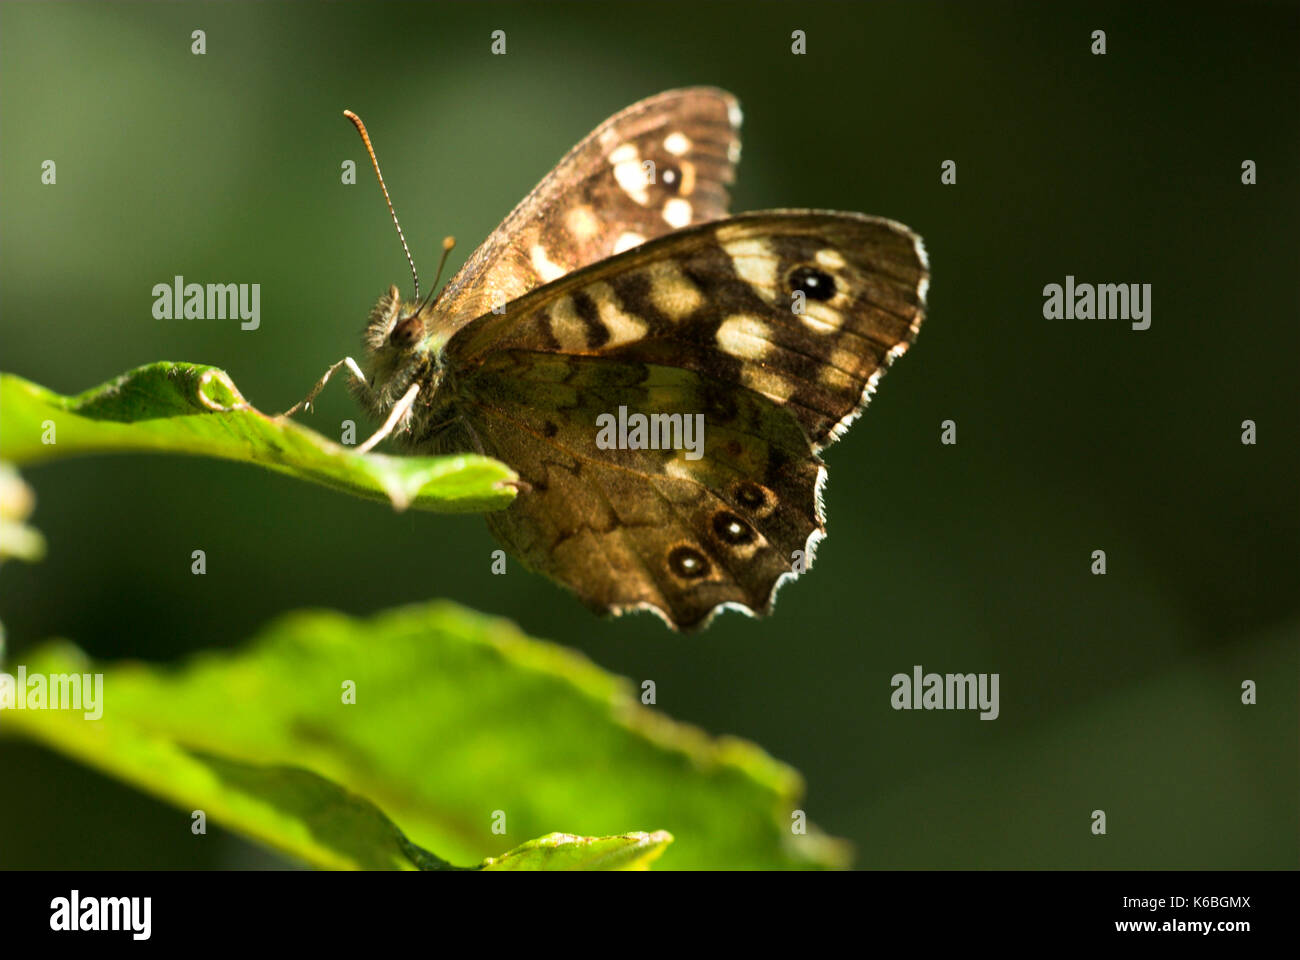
629	173
672	291
677	213
820	318
831	259
678	144
755	264
582	222
628	240
631	178
744	335
547	270
621	325
567	327
624	154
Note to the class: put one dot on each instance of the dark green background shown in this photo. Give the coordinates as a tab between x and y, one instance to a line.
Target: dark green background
1118	692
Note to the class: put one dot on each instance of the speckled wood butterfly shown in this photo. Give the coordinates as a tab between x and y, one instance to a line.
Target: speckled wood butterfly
620	287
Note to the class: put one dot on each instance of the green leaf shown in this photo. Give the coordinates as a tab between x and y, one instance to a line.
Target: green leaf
190	408
460	723
564	851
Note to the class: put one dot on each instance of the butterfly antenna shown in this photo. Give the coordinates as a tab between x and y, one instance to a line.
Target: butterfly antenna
365	138
447	244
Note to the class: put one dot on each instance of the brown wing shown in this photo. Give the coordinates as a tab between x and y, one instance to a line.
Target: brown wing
702	321
604	197
720	299
680	531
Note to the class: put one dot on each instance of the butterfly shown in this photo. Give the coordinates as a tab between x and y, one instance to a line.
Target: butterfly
729	350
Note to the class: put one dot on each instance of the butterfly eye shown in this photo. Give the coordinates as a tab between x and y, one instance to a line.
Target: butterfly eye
815	284
688	563
408	332
731	529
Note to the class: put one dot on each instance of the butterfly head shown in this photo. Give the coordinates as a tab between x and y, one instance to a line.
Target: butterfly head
401	347
394	325
402	341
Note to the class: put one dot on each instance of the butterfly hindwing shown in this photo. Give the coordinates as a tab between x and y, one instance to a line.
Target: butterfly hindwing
720	514
659	165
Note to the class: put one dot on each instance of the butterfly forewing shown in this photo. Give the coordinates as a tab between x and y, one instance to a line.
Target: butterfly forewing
720	299
657	166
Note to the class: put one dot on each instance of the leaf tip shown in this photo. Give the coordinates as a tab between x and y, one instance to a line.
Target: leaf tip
218	392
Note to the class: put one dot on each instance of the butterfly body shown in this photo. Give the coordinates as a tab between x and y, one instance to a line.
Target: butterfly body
618	290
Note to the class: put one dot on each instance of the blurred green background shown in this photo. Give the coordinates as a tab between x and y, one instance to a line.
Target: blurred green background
1119	692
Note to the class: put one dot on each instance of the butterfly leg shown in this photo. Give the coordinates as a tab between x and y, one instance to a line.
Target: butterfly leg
305	403
398	413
